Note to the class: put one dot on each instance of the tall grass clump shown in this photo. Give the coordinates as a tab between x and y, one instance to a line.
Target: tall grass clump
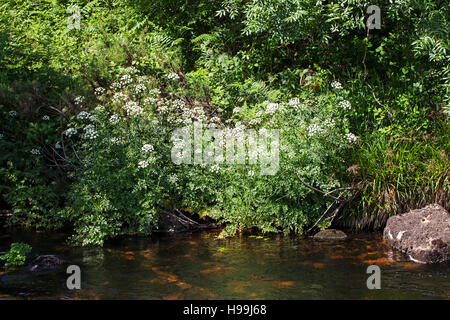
396	174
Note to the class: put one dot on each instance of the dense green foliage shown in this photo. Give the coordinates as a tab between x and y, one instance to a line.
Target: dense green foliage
87	113
16	256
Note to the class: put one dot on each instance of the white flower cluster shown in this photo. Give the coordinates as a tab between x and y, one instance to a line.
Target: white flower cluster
116	86
163	108
183	120
126	79
99	91
153	97
173	179
147	148
131	70
190	115
140	88
114	119
178	143
46	118
251	173
272	107
261	150
351	138
295	102
13	113
149	101
236	110
178	104
314	129
173	76
90	132
336	85
198	113
329	123
142	79
154	92
79	100
70	132
143	164
344	104
116	140
35	152
99	109
83	115
119	97
215	120
133	109
239	128
215	168
254	122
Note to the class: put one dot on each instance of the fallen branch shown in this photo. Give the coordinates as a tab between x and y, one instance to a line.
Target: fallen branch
185	221
315	189
188	219
342	201
323	214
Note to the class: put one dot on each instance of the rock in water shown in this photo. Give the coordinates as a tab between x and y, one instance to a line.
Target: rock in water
330	234
45	263
423	234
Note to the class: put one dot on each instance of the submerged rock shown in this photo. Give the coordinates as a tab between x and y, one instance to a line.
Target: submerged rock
45	263
423	234
330	234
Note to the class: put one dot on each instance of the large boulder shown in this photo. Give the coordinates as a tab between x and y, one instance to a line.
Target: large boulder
423	234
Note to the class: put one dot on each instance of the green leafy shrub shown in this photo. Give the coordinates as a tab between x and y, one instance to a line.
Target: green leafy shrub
16	256
340	97
30	184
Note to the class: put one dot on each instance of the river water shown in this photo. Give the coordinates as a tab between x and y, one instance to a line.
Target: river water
199	266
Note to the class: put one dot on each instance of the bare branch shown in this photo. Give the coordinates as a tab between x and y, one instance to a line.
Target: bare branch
313	188
338	199
323	214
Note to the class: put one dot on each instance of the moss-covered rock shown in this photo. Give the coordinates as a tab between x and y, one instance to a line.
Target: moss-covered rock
330	234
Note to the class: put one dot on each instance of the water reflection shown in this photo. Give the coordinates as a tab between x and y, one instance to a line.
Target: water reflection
197	266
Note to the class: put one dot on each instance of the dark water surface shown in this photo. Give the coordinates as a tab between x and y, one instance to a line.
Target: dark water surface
198	266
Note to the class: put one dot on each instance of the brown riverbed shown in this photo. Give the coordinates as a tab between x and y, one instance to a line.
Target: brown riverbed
198	266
